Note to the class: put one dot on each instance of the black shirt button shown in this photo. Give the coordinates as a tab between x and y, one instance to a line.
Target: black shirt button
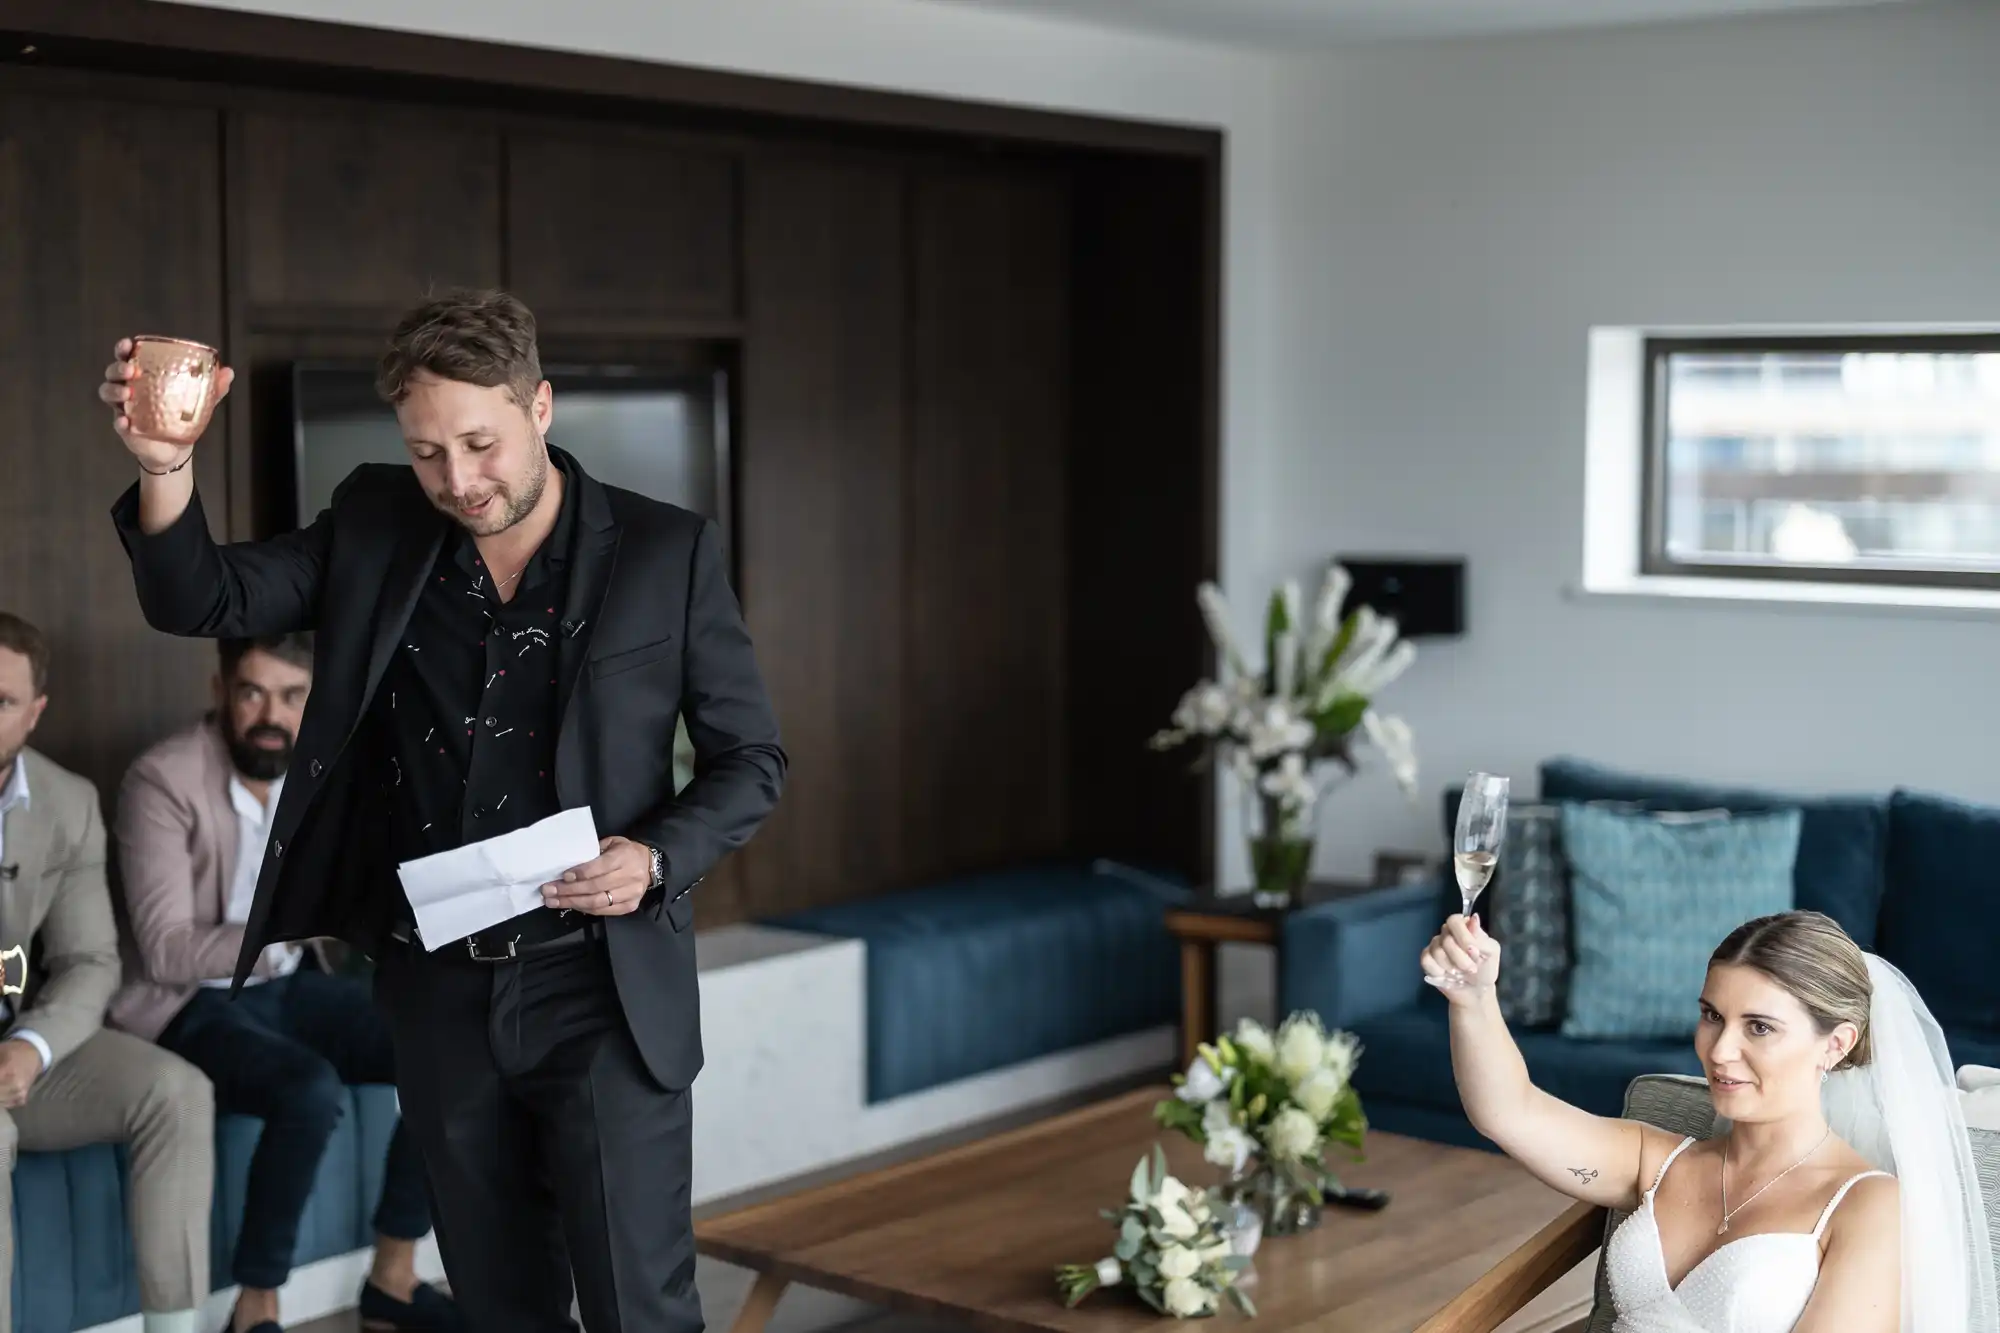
492	722
479	812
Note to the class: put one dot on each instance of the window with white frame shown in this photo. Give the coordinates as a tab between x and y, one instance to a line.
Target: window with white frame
1860	460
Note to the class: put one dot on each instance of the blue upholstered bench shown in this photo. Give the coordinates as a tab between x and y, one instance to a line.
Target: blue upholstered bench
73	1263
981	972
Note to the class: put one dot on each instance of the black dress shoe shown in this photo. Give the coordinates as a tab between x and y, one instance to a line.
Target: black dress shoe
427	1311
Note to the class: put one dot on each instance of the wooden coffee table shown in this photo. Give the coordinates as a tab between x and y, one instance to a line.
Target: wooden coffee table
974	1233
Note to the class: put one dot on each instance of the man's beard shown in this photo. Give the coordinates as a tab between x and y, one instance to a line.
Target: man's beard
513	508
256	762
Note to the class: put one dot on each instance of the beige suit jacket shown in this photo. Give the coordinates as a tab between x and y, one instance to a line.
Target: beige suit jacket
57	908
176	833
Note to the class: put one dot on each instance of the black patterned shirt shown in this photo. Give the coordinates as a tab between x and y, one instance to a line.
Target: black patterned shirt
467	707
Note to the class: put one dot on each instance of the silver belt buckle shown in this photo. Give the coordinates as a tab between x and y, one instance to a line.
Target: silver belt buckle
472	948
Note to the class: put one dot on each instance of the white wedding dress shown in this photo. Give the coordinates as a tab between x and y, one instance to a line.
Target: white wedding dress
1755	1284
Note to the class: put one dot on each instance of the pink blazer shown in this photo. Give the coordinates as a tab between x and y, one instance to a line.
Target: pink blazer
176	836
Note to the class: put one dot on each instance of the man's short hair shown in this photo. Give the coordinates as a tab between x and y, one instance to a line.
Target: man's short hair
296	649
17	635
482	337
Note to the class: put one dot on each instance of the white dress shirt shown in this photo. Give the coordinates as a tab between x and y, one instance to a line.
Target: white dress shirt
253	830
15	796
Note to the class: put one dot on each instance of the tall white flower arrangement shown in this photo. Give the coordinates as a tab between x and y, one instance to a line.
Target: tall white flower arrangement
1279	725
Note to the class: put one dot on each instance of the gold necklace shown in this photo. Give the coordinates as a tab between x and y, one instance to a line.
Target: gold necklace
1727	1211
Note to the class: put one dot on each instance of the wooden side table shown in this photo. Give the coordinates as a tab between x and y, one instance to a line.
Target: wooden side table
1209	919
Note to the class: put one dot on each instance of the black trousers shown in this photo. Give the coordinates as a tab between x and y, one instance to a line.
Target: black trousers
284	1051
553	1156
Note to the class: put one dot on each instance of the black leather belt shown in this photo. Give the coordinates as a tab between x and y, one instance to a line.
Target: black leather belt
506	944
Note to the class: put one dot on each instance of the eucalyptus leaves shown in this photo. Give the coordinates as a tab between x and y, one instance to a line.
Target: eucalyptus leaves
1171	1250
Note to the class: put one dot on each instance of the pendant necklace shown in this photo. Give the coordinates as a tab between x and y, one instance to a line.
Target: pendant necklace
1727	1211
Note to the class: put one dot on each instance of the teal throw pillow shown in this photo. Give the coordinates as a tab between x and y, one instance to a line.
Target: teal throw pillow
1527	909
1650	898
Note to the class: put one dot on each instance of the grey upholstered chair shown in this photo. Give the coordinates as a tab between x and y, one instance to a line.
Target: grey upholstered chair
1679	1105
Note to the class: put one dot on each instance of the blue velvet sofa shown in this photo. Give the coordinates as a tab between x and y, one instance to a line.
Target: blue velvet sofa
73	1263
983	971
1907	874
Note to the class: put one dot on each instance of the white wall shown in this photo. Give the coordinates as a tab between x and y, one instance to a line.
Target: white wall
1453	217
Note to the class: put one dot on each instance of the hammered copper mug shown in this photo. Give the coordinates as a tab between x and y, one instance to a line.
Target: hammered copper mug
175	392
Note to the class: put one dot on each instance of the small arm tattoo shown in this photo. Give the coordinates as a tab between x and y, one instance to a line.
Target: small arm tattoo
1584	1173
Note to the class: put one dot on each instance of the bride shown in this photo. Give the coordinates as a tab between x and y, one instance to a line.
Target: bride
1828	1075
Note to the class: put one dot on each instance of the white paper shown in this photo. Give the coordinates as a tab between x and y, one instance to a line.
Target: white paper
465	890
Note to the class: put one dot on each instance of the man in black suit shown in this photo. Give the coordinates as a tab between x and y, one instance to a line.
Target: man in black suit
500	638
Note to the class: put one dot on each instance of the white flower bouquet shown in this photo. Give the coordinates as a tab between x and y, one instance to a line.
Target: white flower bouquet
1280	726
1271	1105
1171	1250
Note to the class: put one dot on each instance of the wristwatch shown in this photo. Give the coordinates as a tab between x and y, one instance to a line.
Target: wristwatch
659	867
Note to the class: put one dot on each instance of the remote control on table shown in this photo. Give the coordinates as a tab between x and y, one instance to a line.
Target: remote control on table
1348	1197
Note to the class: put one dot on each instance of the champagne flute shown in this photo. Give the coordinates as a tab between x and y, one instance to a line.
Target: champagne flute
1475	843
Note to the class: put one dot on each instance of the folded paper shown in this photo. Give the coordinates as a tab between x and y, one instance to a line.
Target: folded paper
463	891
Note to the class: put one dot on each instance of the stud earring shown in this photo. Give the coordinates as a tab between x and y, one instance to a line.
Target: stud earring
1822	1073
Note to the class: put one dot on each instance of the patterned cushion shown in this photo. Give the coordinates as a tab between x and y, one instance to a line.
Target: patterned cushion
1527	910
1651	898
1842	839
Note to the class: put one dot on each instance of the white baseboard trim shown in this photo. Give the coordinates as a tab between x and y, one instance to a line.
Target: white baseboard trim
315	1290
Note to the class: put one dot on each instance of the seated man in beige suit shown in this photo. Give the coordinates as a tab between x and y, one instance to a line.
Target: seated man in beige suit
64	1080
193	817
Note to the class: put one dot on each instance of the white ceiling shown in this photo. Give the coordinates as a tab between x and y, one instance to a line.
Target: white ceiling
1295	22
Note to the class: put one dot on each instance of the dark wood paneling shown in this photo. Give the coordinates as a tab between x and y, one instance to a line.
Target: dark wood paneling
205	43
985	755
110	224
955	390
364	208
1140	540
610	225
822	508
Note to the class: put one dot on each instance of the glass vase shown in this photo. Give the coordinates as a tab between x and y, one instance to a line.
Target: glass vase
1283	1207
1280	838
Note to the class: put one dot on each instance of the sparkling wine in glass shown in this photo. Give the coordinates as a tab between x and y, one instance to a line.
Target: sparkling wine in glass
1475	843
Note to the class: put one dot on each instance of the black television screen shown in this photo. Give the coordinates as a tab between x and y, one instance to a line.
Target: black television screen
660	433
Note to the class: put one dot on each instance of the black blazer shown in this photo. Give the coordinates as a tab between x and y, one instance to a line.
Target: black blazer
651	631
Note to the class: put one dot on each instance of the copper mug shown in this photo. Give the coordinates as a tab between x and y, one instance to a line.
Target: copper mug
175	393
